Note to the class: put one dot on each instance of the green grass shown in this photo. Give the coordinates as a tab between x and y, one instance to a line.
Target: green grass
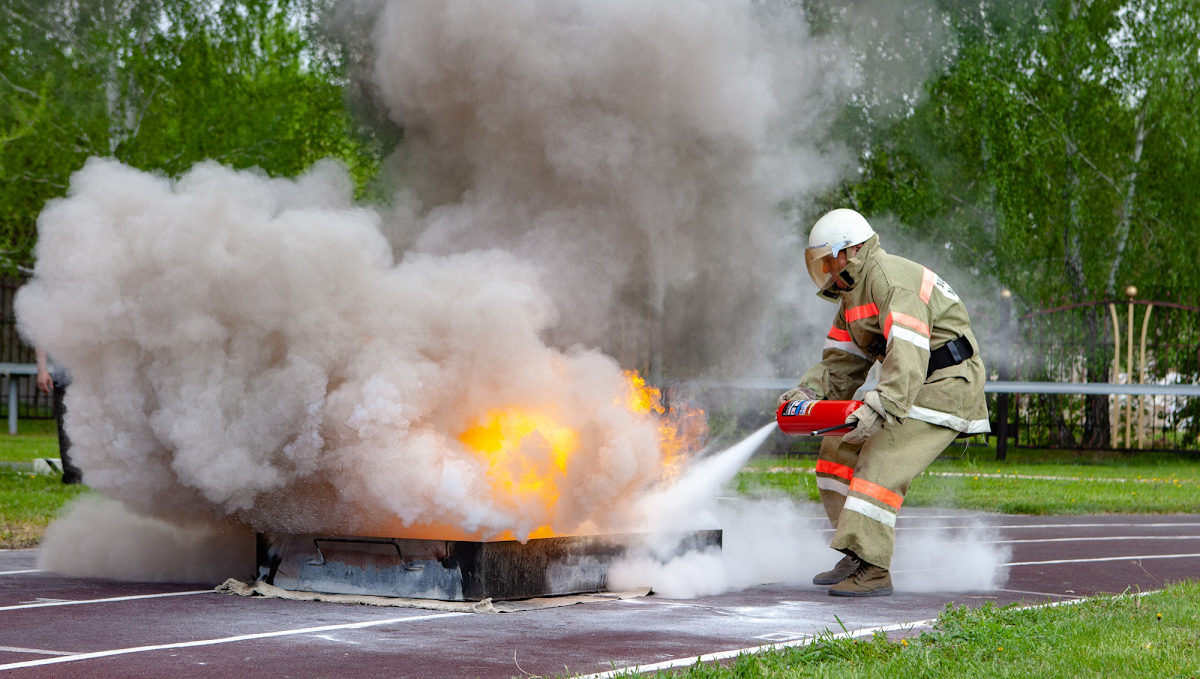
1027	496
1090	483
34	438
1155	635
28	503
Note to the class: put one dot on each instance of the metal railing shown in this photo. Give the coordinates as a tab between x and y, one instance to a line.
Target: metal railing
19	394
1096	350
12	372
1025	425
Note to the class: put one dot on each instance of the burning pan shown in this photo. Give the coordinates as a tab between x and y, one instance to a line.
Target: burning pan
452	570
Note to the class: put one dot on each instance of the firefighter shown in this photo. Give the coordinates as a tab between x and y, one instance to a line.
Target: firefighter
902	315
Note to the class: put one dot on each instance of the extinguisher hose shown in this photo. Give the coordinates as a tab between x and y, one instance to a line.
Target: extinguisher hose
826	430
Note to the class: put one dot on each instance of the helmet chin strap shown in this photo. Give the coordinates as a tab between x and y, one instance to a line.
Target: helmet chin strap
833	292
851	258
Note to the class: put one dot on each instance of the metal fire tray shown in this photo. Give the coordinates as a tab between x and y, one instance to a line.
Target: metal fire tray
452	570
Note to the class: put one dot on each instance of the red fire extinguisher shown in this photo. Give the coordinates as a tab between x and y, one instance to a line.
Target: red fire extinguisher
815	418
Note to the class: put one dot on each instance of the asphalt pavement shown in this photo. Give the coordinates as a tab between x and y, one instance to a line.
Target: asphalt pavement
56	626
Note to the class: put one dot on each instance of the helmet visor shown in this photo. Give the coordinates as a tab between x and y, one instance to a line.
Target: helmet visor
819	261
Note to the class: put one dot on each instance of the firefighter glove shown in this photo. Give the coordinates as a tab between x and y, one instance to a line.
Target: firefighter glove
798	394
867	420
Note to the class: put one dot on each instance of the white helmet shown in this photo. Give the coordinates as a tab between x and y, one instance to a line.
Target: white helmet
834	232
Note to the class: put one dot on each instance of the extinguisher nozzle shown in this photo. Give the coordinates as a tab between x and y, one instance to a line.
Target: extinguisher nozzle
826	430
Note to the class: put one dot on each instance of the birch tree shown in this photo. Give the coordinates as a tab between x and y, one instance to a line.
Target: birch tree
161	85
1058	153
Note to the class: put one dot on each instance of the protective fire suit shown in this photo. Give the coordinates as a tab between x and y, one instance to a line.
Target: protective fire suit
896	312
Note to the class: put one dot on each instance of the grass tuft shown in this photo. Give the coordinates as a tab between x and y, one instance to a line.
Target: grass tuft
34	438
28	503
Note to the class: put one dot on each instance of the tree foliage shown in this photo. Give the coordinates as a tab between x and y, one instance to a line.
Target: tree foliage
1058	153
161	85
1054	149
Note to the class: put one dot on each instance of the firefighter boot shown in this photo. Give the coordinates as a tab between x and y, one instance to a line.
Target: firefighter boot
867	580
844	569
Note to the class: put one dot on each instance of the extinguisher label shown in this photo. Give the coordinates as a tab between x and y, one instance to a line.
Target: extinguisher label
800	408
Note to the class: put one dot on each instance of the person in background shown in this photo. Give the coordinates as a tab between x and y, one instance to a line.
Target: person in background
55	381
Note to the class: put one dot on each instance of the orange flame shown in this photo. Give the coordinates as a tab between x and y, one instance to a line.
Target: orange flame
528	452
642	398
682	429
515	444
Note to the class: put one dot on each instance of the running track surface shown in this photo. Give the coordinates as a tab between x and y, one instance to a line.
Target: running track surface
181	630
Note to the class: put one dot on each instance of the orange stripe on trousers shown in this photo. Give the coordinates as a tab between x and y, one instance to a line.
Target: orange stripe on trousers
876	491
827	467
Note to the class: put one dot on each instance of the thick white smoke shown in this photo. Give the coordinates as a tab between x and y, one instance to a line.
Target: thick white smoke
245	347
778	541
635	152
573	174
100	538
764	541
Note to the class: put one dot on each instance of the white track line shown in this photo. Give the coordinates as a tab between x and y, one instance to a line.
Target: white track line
754	650
1024	591
981	524
1035	525
905	517
47	604
1101	479
1014	526
1059	561
37	651
1092	539
1105	558
34	570
224	640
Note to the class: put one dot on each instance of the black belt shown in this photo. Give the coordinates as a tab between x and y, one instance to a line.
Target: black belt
951	353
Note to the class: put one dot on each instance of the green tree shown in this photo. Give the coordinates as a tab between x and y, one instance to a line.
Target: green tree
161	85
1057	153
50	117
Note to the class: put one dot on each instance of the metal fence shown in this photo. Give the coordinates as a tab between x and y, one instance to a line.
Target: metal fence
1126	342
1115	342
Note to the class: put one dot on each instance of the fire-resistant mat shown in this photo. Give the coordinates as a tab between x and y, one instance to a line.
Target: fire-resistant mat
262	589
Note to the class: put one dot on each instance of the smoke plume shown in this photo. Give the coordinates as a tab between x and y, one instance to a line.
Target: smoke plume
100	538
575	178
779	541
636	153
245	347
